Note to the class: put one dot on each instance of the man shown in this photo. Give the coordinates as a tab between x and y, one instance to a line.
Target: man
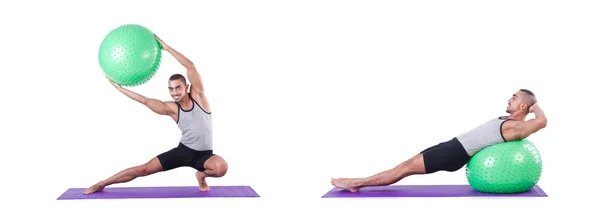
191	111
454	154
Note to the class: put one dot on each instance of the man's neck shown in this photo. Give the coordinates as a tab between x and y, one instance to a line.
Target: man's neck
185	100
517	116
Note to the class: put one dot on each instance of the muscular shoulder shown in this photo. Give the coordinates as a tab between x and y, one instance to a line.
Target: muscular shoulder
172	106
509	130
201	99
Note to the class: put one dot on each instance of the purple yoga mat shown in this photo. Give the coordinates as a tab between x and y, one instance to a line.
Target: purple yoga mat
160	192
425	191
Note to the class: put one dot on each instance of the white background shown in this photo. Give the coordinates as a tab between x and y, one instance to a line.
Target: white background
301	91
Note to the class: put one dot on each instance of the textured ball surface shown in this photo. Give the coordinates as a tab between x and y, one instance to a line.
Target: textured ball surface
130	55
510	167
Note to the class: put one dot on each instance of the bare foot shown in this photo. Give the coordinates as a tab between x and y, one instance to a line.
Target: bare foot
344	183
203	186
96	188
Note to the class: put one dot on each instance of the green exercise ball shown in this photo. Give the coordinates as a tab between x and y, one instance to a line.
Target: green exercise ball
505	168
130	55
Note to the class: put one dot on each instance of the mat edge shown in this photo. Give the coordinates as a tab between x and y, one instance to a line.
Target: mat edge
247	187
537	189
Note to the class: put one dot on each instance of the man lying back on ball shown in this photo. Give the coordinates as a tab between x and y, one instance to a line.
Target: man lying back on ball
455	153
191	111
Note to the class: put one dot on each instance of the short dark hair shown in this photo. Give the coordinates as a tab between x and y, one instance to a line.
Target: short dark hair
531	99
527	91
177	77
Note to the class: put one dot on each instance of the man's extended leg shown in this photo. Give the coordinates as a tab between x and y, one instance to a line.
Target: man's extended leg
127	175
412	166
215	166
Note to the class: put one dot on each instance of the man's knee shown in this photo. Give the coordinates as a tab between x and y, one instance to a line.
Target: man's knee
149	168
416	164
141	170
216	166
220	168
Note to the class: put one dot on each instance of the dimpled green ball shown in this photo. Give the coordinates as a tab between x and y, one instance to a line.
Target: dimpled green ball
509	167
130	55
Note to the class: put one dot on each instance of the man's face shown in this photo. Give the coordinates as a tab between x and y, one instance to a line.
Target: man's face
177	89
516	102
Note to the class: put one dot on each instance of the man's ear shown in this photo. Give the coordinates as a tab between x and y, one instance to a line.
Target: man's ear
525	106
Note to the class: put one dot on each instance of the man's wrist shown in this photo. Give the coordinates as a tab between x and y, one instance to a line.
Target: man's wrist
165	47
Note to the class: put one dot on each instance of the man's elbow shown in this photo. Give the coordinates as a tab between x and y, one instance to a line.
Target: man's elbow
146	101
189	65
542	123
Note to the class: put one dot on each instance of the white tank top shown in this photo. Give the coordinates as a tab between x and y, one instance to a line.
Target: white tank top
484	135
196	127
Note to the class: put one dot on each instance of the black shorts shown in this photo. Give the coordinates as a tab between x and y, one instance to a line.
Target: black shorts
446	156
183	156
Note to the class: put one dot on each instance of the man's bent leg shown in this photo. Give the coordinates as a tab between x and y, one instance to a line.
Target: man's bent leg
412	166
215	167
151	167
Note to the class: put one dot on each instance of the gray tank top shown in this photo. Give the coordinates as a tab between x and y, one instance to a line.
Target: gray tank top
196	127
484	135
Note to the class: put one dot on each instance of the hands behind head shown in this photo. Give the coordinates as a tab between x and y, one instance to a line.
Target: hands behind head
533	107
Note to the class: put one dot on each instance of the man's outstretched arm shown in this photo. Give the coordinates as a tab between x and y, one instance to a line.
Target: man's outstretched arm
155	105
192	73
197	87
